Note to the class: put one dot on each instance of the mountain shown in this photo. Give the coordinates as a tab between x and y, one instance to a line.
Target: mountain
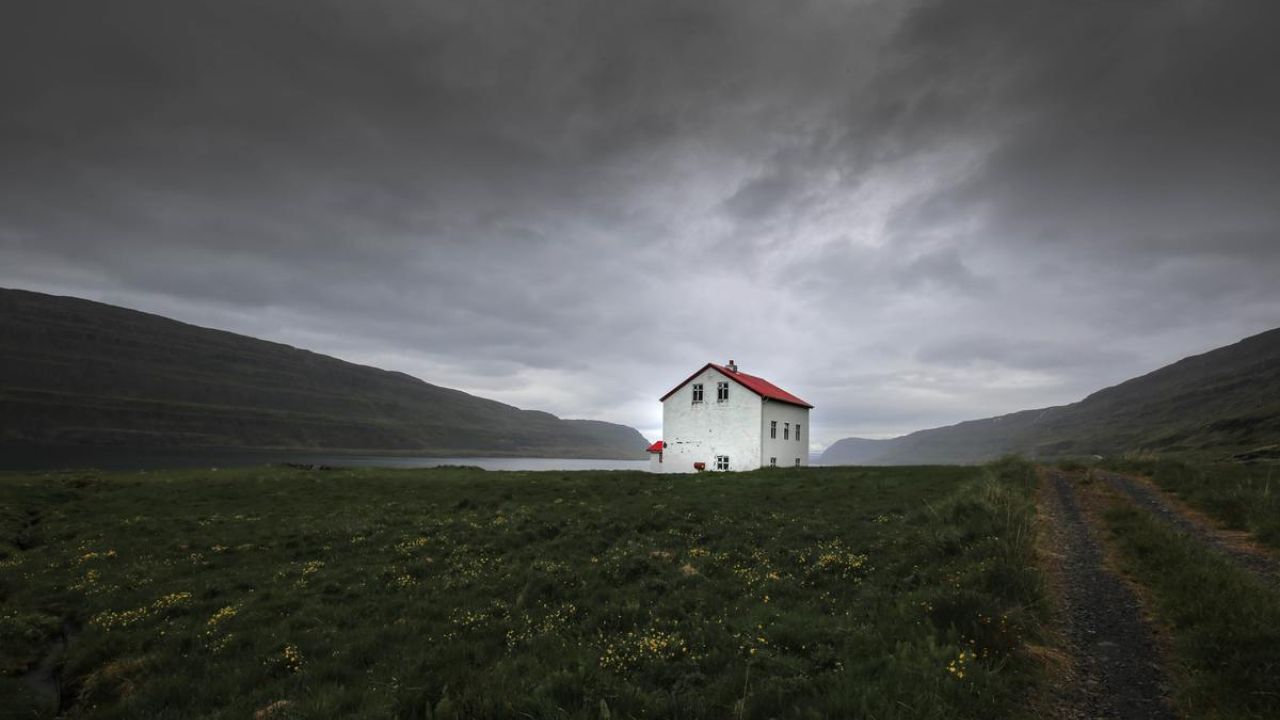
1226	401
75	372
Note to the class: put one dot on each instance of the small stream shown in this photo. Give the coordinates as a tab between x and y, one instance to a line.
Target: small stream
45	679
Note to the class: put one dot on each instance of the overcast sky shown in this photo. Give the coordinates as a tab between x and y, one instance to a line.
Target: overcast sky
909	214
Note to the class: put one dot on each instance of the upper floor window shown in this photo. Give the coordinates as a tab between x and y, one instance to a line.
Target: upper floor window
722	391
697	392
786	431
773	429
797	432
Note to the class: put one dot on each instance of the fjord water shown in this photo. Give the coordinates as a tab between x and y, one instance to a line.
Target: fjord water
35	459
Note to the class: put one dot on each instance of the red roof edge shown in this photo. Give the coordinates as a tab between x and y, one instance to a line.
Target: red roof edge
657	447
757	385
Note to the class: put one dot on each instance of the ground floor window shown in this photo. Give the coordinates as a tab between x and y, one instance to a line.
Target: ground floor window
797	462
722	462
773	462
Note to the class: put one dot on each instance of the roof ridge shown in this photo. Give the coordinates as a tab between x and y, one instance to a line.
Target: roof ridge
754	383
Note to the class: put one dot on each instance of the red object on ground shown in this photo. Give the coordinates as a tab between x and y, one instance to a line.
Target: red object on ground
699	466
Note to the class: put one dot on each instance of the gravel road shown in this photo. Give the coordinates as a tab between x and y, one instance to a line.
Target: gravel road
1117	662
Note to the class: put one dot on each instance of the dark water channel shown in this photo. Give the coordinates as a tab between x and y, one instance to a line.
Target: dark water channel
29	459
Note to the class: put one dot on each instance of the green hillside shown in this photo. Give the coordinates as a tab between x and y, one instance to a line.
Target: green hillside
1224	402
74	372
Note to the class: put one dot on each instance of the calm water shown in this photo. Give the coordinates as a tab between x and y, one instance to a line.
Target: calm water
122	459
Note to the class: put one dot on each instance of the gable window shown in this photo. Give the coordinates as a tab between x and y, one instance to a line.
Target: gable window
722	391
773	429
797	432
722	462
797	462
786	431
697	392
773	462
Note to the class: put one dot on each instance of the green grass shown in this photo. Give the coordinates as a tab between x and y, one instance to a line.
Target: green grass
1225	622
453	592
1242	497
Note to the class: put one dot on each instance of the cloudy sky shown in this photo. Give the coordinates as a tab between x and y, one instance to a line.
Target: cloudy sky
908	213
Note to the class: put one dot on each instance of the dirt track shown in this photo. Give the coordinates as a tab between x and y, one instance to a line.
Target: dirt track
1234	545
1116	662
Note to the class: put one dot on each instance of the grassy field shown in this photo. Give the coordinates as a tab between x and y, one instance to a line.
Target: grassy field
453	592
1241	497
1224	622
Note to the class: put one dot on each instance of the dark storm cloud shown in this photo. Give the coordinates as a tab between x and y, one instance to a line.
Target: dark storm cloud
967	351
762	196
907	213
943	268
1140	125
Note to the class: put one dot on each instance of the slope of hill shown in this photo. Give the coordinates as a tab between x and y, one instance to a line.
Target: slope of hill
75	372
1224	401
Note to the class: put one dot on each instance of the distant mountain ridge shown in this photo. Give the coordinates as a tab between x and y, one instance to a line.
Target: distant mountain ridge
1224	401
77	372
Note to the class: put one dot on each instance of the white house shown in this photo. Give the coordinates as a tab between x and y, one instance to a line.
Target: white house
721	418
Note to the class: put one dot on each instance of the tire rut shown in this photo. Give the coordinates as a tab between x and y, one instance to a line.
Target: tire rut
1228	544
1117	669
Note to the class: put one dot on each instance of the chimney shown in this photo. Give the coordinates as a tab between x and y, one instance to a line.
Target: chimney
732	368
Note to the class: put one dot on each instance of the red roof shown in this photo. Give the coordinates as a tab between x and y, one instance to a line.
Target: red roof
657	446
757	385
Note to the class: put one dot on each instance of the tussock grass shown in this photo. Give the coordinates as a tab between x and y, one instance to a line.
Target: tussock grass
453	592
1225	623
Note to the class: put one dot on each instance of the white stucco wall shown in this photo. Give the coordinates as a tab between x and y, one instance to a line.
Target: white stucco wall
698	432
656	462
786	450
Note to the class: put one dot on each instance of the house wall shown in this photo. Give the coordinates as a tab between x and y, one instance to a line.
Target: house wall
656	461
785	450
699	432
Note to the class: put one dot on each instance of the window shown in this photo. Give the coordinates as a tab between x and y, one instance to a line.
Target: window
722	391
697	392
722	462
773	462
797	462
773	429
786	431
797	432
